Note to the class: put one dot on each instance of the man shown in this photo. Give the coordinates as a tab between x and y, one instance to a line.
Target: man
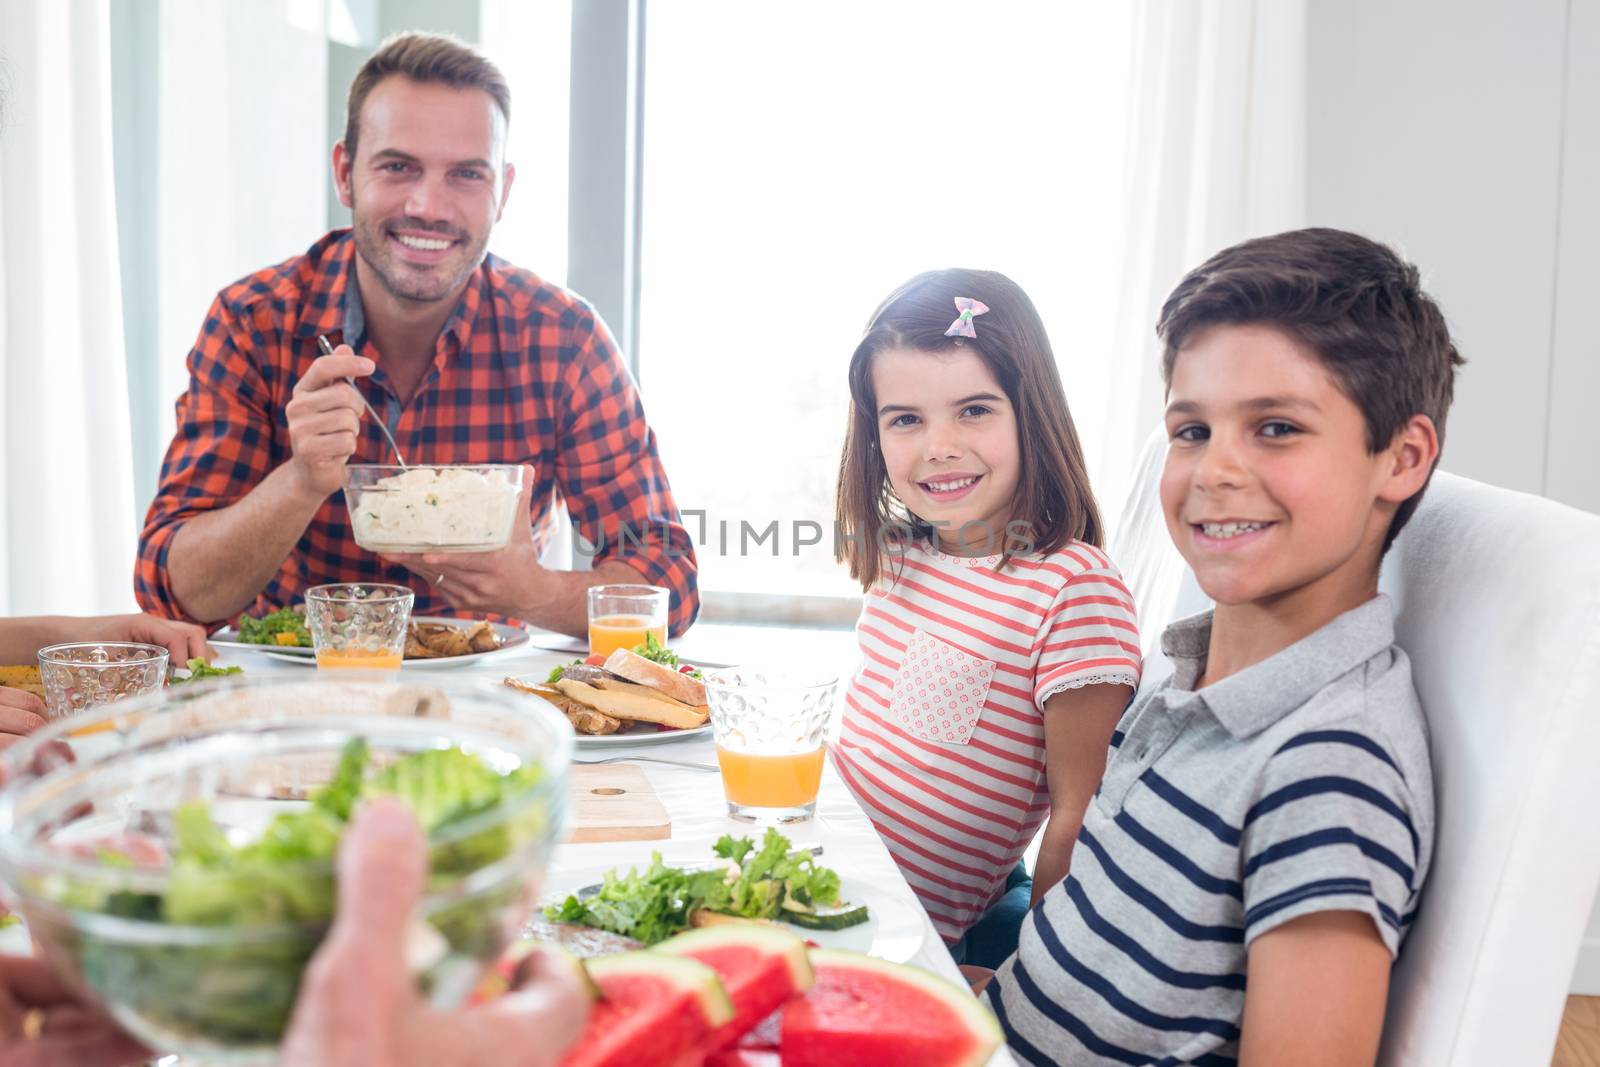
466	358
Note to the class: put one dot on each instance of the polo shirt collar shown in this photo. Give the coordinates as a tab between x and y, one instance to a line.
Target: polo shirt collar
1258	696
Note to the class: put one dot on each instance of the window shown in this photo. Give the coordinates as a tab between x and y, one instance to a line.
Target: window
800	160
530	41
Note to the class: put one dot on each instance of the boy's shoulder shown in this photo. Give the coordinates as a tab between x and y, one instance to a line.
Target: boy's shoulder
1372	706
1340	700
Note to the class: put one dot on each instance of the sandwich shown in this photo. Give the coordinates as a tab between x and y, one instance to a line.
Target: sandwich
626	688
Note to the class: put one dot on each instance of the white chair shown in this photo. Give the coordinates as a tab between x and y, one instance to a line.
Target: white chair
1497	597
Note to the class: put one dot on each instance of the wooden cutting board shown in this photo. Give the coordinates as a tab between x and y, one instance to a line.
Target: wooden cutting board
615	802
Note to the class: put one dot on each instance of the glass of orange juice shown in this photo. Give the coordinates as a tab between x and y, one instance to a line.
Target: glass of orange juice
620	616
769	726
359	625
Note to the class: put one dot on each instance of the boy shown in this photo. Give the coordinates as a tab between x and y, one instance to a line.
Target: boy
1254	855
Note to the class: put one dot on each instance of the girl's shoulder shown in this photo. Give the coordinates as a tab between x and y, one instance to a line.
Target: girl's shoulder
1072	560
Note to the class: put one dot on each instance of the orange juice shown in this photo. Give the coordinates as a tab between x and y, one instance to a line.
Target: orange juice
607	633
765	781
360	658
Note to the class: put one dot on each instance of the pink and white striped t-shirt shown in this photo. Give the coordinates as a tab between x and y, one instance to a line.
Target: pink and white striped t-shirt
942	741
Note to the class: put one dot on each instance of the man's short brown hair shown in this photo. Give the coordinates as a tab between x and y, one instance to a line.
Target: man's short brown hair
423	57
1356	304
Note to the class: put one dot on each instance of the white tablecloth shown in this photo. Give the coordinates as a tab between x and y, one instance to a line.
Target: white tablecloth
693	798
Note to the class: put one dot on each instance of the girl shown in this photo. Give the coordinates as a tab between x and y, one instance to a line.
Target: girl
999	645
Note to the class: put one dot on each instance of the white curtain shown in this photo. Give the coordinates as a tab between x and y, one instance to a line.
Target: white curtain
245	146
66	486
1216	154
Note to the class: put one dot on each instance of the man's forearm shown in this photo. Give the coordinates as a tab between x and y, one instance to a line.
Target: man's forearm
221	560
565	608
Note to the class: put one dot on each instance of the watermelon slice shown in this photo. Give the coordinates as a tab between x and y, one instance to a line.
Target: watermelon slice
762	968
654	1008
866	1012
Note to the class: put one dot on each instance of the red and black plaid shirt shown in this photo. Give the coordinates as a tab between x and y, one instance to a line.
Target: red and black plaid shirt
523	372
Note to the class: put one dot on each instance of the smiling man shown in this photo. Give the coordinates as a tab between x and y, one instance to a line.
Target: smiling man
465	358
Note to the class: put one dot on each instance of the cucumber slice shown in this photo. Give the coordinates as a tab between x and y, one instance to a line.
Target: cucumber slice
828	918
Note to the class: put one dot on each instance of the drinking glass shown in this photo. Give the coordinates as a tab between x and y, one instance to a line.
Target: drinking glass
87	674
768	724
359	625
621	616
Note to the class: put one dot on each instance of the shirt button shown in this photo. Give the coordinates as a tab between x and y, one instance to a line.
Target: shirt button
1144	750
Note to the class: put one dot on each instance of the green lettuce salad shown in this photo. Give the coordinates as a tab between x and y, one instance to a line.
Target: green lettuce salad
266	630
270	899
755	883
199	668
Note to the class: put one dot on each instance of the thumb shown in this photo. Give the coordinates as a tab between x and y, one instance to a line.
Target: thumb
522	528
382	862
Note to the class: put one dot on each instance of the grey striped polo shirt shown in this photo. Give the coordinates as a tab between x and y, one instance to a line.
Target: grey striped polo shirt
1297	785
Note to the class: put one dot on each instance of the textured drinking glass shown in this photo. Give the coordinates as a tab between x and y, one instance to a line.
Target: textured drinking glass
620	616
769	726
88	674
359	625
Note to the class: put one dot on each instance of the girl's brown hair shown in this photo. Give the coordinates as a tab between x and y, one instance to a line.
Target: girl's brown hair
1053	495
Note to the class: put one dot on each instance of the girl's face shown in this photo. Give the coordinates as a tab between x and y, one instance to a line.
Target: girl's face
949	441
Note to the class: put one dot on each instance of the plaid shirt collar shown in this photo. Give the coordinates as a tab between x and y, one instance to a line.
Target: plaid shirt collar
340	313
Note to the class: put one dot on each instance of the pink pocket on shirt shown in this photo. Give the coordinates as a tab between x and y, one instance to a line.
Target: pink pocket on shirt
940	690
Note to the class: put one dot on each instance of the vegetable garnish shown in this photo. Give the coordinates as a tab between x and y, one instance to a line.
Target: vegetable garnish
656	652
267	630
557	672
199	668
769	882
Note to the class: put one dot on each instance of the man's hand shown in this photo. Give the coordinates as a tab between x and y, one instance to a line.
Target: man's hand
45	1024
325	420
358	1003
504	582
183	640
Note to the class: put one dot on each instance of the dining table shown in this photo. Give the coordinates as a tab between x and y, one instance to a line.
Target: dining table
686	780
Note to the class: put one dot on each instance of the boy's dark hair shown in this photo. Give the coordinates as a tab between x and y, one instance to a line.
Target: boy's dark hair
1353	302
1053	494
423	57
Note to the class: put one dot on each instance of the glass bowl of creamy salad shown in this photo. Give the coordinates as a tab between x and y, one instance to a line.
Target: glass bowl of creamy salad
444	508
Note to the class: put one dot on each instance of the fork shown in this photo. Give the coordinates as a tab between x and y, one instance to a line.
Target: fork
649	759
326	347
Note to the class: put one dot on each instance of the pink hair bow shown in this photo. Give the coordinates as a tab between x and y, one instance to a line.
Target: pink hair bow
968	307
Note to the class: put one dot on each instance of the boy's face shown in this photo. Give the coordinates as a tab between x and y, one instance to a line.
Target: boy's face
1269	490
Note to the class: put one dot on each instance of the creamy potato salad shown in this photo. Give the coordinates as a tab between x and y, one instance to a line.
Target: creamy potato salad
426	507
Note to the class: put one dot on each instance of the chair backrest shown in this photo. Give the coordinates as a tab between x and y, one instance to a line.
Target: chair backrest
1497	600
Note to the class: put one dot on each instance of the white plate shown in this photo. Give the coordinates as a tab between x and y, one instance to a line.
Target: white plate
512	640
642	733
894	929
638	733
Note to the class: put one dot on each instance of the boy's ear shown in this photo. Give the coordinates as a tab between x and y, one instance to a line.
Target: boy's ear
1410	458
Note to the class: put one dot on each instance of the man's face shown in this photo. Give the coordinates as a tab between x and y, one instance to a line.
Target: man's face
426	186
1269	488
